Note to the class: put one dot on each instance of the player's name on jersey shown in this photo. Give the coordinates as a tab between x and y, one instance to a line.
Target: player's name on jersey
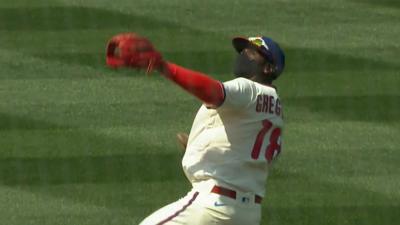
268	104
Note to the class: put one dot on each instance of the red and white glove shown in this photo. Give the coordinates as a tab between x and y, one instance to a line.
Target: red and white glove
132	50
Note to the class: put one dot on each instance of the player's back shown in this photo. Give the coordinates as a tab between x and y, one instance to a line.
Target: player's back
234	143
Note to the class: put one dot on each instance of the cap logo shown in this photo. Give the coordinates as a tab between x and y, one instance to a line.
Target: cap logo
258	41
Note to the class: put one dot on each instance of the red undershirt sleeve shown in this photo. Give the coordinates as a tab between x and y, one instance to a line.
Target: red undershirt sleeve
208	90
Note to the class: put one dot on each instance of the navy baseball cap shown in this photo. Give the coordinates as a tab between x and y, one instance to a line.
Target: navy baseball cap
267	47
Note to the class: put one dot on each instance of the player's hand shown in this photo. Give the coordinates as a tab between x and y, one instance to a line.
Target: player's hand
134	51
182	139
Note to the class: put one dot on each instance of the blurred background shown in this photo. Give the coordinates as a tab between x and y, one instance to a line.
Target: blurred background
82	144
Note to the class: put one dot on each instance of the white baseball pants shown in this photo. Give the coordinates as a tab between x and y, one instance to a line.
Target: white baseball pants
202	207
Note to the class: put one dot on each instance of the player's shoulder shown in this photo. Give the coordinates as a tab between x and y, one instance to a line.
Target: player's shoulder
240	81
242	92
247	83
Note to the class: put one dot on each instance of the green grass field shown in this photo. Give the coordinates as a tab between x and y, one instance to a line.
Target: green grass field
81	144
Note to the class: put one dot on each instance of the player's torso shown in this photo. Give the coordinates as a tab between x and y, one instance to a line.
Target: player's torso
233	146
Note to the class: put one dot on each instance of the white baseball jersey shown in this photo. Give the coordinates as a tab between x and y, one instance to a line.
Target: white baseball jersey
234	143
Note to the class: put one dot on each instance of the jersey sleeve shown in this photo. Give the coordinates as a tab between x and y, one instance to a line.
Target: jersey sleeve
238	93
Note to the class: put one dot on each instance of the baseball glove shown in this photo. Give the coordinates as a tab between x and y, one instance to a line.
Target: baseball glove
132	50
182	139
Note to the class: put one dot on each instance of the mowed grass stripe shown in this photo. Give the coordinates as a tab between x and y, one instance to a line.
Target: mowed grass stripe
20	206
86	142
126	203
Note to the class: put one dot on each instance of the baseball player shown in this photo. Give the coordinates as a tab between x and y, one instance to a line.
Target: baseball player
235	135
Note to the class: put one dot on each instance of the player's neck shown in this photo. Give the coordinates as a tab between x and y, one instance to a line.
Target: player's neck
261	80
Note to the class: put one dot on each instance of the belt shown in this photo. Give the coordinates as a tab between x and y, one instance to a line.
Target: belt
231	193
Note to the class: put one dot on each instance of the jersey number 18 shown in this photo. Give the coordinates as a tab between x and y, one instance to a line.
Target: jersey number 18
274	147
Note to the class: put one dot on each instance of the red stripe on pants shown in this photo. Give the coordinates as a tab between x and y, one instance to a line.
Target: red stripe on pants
181	210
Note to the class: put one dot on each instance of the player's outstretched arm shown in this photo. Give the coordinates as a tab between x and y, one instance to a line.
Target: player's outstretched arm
207	89
132	50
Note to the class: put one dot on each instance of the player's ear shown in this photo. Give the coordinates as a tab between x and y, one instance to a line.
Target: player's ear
268	69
